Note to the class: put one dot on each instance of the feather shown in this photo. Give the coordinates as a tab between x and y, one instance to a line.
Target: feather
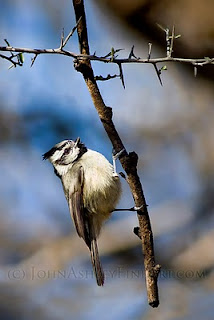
96	263
78	213
84	225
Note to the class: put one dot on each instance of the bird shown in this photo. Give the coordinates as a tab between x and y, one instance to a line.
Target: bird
92	189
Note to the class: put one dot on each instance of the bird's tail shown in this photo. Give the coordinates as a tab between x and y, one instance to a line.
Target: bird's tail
98	270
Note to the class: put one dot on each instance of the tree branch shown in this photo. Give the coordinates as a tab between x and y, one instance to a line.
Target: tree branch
128	161
195	61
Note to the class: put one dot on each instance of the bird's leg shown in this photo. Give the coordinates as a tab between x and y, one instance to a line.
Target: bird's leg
115	156
130	209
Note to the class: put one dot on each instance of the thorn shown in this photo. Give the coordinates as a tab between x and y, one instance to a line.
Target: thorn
117	50
121	74
7	42
161	27
150	50
12	66
158	73
33	59
62	38
131	54
107	55
195	71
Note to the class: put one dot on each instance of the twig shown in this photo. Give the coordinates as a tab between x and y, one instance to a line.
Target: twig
172	41
128	161
64	42
9	59
62	38
169	39
168	43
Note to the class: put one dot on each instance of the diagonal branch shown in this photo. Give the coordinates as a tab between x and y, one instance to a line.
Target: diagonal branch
128	160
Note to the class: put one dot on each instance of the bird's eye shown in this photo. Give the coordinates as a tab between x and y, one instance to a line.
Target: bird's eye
66	151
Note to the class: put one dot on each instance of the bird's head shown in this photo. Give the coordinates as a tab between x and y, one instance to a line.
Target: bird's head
65	152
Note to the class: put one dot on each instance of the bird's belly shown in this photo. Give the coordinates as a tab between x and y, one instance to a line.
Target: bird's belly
101	197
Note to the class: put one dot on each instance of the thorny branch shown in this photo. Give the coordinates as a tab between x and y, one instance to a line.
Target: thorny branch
107	58
110	57
128	160
198	62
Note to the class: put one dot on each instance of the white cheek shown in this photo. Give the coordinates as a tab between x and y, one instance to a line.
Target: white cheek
57	155
73	155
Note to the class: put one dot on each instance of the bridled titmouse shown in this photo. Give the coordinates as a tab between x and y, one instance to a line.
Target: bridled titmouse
92	190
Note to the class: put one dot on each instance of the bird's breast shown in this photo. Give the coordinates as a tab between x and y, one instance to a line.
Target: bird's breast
101	189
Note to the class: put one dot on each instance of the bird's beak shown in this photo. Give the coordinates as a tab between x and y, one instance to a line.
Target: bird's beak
77	141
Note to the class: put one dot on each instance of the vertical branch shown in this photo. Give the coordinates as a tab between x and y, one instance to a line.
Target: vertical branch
128	161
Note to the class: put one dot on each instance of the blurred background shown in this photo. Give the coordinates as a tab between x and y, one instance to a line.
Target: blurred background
45	268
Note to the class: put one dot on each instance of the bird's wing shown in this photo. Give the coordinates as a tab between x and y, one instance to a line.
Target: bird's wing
76	207
85	227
